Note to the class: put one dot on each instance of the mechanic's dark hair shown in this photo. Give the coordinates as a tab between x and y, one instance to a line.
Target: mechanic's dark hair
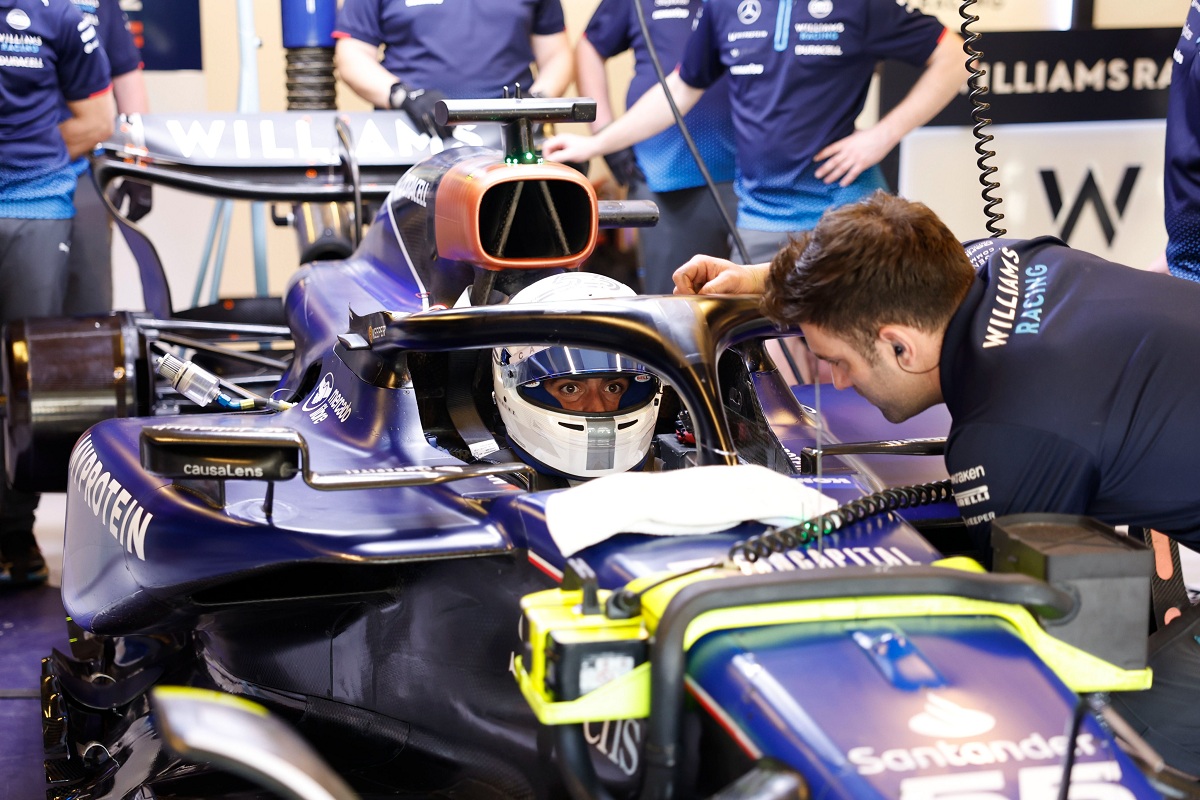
883	260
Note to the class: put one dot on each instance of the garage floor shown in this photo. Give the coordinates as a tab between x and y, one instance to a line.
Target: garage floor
31	624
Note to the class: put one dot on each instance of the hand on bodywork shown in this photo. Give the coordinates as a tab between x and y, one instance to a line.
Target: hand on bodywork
651	114
358	65
710	275
418	104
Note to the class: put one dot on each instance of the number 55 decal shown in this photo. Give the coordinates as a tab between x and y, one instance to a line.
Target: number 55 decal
1093	781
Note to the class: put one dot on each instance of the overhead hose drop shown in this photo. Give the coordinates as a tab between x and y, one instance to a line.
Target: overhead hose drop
780	540
977	89
687	138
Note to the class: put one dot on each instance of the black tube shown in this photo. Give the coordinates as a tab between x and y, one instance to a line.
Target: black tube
1082	15
668	660
533	109
575	764
767	780
627	213
1072	732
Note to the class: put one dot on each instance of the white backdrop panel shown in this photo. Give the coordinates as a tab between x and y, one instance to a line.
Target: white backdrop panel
1088	162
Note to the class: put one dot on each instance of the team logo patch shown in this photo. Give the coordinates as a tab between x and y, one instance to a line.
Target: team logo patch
18	20
321	393
748	11
820	9
943	719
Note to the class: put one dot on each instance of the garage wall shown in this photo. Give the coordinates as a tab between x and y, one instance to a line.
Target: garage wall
180	224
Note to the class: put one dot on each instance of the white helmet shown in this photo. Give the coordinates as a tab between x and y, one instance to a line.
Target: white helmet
613	401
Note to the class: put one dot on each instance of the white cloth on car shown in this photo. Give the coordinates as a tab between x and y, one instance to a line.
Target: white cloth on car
678	502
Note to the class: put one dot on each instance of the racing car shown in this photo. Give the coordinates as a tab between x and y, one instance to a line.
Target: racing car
385	556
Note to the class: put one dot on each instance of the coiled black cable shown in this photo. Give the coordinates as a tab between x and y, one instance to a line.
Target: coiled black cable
779	540
977	90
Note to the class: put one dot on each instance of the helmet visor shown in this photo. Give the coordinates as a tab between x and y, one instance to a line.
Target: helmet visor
532	374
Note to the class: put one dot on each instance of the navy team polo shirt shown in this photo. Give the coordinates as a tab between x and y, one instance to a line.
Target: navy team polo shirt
799	74
113	26
47	54
665	159
123	56
462	48
1071	383
1181	177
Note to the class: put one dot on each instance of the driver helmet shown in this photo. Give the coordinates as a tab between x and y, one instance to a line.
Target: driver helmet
571	411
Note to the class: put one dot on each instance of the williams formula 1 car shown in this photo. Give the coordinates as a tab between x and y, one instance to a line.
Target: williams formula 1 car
406	536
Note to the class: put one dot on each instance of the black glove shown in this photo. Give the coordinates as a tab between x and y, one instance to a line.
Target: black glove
138	194
418	104
624	167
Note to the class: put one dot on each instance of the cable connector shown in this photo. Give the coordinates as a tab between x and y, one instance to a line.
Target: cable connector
194	383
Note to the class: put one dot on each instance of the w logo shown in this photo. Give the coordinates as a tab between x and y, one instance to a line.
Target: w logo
1089	194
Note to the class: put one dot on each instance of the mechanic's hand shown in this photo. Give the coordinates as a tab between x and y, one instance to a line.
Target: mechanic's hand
138	194
710	275
846	159
418	104
624	167
569	147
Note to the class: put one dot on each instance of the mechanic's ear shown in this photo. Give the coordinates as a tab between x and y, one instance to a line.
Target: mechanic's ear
902	345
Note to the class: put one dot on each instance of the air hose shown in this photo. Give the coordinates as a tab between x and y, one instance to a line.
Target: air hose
687	138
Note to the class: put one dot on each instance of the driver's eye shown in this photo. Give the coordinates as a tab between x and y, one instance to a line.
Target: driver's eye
616	387
569	388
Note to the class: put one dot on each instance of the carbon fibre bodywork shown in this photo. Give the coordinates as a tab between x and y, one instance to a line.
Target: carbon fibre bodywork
373	599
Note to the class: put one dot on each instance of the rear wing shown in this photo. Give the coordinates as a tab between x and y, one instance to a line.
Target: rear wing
315	157
290	156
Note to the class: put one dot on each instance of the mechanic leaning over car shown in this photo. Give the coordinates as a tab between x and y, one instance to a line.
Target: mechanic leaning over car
89	268
796	85
661	168
53	61
466	49
1070	381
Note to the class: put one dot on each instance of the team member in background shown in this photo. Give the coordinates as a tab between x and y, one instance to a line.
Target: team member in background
1181	173
89	269
458	49
1065	395
52	57
662	168
798	79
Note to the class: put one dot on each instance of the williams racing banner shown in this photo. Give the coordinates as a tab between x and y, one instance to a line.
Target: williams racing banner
1078	119
1059	76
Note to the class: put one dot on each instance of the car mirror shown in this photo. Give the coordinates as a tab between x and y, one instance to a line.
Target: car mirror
221	453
